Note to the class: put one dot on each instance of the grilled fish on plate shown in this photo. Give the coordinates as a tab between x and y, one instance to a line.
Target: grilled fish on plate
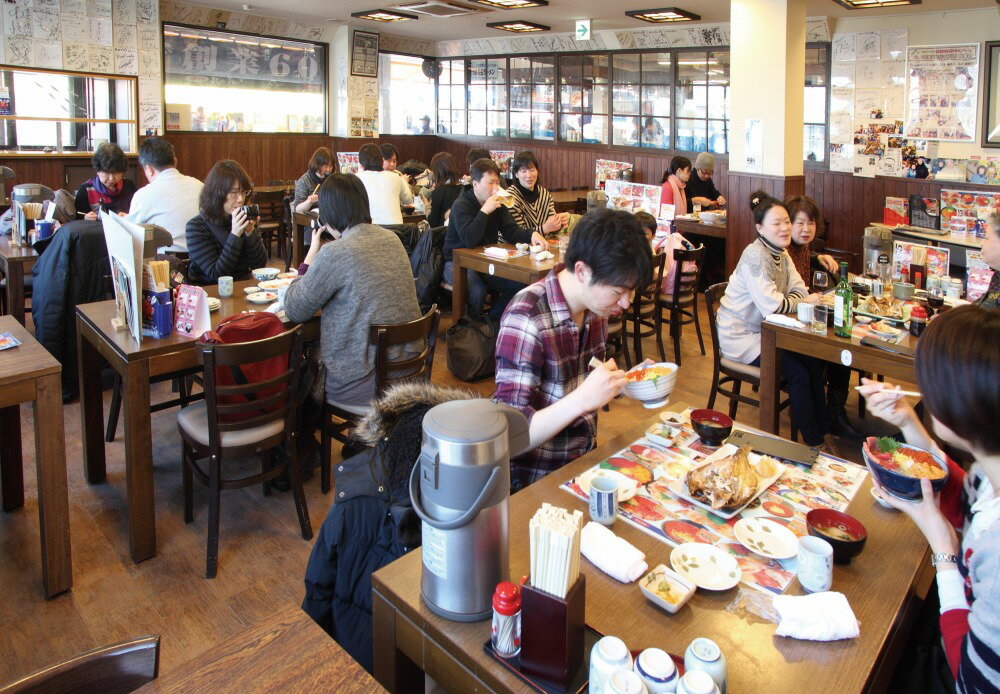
725	484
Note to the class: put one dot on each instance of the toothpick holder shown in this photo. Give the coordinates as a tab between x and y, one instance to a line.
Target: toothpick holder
552	631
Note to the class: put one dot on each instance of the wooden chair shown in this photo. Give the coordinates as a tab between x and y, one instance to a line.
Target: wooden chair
387	372
272	218
211	429
727	370
117	669
643	317
679	307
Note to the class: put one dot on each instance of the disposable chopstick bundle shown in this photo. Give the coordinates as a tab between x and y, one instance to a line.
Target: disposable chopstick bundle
554	535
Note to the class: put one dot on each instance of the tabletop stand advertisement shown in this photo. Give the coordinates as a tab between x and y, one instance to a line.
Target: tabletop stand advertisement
125	243
658	511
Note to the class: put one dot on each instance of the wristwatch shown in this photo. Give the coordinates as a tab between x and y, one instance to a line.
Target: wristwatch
943	558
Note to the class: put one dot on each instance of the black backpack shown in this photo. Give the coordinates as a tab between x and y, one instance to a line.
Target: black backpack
427	264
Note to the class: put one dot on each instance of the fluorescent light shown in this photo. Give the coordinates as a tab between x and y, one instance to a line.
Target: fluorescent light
512	4
518	26
873	4
664	14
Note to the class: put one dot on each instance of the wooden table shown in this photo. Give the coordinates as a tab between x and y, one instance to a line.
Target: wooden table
827	347
15	263
281	188
523	269
136	362
882	585
567	200
699	228
286	652
28	373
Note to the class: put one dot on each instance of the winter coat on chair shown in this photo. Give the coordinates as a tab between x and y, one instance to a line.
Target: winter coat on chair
371	522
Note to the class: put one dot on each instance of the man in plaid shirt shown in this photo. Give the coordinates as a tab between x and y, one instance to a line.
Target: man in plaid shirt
552	329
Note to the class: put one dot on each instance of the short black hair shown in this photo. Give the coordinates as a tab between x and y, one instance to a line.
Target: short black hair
646	220
370	157
614	247
157	152
475	155
218	183
481	167
320	158
388	150
343	202
760	203
676	164
109	158
523	160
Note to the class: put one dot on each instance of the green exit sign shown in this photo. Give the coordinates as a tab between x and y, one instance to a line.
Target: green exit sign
582	30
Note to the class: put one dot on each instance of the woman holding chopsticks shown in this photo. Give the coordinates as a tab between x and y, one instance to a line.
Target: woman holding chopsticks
958	370
307	187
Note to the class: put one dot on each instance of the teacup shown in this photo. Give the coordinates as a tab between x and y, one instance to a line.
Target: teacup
815	564
603	500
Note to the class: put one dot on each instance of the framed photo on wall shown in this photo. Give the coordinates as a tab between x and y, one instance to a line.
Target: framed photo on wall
364	54
991	96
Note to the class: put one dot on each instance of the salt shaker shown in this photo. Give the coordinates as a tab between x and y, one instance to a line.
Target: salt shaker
505	634
705	655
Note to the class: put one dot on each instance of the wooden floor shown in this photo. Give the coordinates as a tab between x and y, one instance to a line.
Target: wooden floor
262	557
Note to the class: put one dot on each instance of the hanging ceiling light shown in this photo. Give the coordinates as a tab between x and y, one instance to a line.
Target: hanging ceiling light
871	4
664	14
384	15
512	4
518	26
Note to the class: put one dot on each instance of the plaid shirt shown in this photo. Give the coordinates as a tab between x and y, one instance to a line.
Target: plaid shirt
542	356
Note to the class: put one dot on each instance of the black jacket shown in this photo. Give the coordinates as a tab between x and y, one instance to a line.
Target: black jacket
697	188
215	252
468	227
73	269
442	198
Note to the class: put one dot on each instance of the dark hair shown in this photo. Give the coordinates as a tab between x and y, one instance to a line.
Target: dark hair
760	203
475	155
647	220
320	158
614	247
218	183
444	169
370	157
958	370
481	167
109	158
388	150
523	160
803	203
676	164
343	202
156	152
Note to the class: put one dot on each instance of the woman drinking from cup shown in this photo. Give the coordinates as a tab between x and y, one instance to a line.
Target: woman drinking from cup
958	371
764	282
223	239
109	190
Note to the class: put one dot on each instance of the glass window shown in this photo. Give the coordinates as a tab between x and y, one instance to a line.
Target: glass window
583	99
814	106
452	97
488	97
642	99
407	96
69	112
533	97
230	82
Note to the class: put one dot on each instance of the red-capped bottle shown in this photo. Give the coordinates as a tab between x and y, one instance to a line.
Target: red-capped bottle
505	633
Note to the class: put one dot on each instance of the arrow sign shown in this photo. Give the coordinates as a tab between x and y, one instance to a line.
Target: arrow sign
582	30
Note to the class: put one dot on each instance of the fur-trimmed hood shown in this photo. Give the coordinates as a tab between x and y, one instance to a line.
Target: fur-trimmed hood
383	413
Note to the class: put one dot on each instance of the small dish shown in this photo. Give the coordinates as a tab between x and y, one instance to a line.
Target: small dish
263	274
766	538
251	290
846	534
878	497
863	320
287	275
273	285
706	566
662	434
214	304
262	297
666	589
627	487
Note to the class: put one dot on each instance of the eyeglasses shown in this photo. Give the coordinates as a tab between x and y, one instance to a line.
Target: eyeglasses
236	194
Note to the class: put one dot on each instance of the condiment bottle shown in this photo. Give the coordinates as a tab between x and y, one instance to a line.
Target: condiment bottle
918	320
705	655
505	633
609	654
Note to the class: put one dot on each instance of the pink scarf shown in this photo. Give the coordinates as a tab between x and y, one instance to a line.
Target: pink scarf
673	194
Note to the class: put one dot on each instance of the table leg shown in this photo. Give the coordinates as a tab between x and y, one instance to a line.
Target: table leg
53	499
392	668
770	363
298	244
458	291
139	460
11	473
15	291
91	404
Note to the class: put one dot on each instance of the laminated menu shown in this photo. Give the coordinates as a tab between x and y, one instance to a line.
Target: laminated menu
191	317
978	275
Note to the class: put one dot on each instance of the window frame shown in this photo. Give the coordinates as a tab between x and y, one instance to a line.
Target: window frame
825	163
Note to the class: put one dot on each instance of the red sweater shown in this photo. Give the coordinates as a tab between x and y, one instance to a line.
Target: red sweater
954	623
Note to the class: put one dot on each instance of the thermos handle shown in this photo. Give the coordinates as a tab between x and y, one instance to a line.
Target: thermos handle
462	520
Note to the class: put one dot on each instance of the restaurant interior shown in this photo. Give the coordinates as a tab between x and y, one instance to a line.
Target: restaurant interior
703	293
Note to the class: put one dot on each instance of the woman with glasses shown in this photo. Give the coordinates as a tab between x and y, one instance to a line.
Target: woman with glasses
222	240
109	190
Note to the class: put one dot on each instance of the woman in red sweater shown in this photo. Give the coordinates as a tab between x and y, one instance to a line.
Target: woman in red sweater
958	370
674	180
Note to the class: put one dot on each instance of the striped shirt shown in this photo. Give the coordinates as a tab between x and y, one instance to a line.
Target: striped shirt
217	252
531	215
541	356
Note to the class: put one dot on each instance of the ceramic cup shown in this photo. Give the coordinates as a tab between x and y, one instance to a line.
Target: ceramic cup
225	286
44	228
657	671
815	560
697	682
624	682
603	500
804	312
608	655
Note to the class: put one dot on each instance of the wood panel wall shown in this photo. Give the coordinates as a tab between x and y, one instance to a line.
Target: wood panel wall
739	187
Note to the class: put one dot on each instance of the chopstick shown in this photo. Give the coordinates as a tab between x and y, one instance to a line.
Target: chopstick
911	393
554	536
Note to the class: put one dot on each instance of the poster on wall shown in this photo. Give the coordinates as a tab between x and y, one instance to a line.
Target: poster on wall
607	169
364	54
965	212
502	157
633	197
941	90
753	152
348	162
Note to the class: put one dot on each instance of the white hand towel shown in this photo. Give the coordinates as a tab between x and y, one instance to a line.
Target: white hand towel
783	319
543	255
611	554
818	617
496	252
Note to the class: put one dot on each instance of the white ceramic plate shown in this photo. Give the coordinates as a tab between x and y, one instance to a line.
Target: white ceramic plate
214	304
251	290
273	285
679	488
662	434
766	538
706	566
262	297
627	487
287	275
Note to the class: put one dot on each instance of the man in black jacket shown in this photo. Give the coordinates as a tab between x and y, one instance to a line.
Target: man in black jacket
479	219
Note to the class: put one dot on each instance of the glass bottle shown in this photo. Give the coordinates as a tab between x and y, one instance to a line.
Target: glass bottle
843	303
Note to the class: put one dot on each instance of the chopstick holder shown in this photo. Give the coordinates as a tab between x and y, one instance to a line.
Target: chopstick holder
552	631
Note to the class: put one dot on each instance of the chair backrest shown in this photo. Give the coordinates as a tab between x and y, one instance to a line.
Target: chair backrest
408	367
647	299
686	280
266	401
270	203
713	297
116	669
